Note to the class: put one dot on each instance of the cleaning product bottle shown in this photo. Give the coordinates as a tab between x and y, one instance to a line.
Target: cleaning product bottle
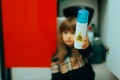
81	28
90	34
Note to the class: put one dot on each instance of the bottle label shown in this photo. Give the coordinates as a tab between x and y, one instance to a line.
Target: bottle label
79	37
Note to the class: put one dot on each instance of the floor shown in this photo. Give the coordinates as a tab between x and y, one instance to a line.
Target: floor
102	72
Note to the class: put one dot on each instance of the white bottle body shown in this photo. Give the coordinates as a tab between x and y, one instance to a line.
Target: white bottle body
90	36
80	34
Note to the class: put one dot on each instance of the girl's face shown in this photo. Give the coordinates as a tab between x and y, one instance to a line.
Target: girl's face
68	38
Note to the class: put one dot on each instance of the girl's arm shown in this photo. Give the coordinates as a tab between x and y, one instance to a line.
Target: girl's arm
87	48
86	52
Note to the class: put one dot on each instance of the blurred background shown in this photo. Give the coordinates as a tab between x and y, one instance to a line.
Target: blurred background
103	33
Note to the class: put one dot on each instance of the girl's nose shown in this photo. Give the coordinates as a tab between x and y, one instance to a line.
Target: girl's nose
69	35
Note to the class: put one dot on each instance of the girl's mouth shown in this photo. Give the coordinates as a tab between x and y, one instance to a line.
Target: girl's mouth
68	40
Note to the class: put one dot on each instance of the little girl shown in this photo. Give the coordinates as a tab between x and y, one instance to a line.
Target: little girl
69	63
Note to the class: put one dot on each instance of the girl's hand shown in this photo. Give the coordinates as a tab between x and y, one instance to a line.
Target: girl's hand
85	43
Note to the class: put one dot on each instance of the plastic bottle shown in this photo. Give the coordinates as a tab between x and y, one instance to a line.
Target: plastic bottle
90	34
81	28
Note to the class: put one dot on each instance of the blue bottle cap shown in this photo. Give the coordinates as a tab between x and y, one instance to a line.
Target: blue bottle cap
82	16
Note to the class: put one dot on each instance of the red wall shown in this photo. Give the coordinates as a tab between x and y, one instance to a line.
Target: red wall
29	31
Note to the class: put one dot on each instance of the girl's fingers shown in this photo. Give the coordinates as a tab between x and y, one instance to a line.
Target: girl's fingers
85	46
86	40
85	43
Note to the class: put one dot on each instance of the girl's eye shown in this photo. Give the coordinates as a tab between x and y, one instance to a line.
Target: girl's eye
65	32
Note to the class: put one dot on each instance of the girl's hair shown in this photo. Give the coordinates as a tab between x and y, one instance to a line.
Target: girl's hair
68	24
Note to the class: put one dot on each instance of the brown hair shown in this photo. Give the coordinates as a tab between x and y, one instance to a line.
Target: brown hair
68	24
